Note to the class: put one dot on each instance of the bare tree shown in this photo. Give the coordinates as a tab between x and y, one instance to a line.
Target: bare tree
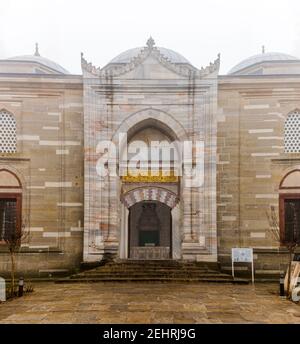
13	239
291	243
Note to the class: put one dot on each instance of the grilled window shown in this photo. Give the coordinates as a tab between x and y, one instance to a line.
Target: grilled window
8	133
292	220
8	218
292	133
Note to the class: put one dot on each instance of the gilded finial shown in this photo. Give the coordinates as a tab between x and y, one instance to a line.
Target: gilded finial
150	43
36	50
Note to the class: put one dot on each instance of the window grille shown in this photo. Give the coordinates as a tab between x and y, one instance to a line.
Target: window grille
292	133
8	133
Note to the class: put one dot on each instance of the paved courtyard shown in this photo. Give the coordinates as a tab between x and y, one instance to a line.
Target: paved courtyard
150	303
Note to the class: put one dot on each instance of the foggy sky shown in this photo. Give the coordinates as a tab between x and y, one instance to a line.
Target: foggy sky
102	29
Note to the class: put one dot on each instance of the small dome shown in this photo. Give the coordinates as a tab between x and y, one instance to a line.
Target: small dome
41	60
259	58
172	55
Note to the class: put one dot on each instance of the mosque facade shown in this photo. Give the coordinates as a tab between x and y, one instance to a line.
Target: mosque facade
74	174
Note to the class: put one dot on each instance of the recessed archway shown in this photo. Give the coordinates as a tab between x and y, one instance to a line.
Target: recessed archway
160	118
150	231
166	206
144	128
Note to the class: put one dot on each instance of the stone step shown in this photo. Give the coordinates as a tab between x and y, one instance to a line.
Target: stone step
153	271
160	273
150	263
102	275
153	279
164	263
149	271
146	269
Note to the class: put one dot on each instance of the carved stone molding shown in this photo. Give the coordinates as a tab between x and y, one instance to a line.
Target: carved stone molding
186	70
150	194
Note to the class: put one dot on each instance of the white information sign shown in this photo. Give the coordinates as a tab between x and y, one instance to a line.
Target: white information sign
2	289
242	255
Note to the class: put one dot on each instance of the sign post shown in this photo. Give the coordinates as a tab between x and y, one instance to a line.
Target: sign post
242	255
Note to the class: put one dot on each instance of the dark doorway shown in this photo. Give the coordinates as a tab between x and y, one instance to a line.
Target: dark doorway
150	227
290	218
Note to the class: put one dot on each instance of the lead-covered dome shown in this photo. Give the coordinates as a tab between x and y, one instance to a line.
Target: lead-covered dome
32	64
43	61
128	55
248	66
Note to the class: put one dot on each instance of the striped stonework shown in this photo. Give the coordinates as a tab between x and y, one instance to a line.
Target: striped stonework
150	194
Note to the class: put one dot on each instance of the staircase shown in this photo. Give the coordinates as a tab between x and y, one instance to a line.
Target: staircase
153	271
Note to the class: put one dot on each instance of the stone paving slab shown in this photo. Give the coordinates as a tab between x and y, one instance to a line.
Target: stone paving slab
150	303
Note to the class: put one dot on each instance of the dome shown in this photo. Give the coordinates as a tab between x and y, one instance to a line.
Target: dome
127	55
259	58
37	58
41	60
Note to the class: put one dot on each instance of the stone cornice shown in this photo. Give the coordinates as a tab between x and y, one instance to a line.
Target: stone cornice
115	70
287	158
17	76
12	158
35	84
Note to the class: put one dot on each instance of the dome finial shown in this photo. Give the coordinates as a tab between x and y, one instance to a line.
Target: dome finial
36	50
263	49
150	43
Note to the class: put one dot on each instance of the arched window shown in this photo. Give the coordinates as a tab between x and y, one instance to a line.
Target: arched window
289	204
10	204
8	132
292	133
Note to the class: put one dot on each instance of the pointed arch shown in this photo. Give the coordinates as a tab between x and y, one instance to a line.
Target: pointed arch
159	120
162	118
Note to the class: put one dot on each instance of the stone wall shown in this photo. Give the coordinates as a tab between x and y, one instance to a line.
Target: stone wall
49	163
251	161
118	99
61	119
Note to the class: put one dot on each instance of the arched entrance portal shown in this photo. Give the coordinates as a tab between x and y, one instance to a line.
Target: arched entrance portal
150	231
150	190
150	223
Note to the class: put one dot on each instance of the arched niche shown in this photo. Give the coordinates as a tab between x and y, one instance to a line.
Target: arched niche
150	118
8	179
291	180
155	146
